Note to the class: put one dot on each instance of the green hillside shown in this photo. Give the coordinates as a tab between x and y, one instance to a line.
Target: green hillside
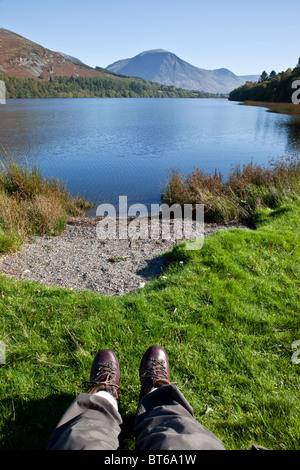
94	87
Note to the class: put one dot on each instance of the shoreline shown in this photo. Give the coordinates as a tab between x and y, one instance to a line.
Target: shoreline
274	107
78	260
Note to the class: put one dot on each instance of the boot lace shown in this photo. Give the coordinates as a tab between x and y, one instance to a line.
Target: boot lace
156	372
103	378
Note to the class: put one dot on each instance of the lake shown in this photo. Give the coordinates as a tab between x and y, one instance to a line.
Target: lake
104	148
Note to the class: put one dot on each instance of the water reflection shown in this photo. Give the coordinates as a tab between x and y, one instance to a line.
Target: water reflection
292	130
103	148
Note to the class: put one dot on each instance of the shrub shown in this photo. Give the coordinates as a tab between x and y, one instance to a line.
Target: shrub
31	204
247	189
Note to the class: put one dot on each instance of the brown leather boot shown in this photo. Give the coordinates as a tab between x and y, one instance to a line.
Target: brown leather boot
105	373
154	370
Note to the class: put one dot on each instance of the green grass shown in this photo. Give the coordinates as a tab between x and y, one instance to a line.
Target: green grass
227	317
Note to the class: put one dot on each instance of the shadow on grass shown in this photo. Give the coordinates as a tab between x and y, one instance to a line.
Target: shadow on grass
127	435
31	423
278	212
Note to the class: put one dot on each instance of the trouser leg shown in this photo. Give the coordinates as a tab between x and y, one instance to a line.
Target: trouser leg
165	421
90	423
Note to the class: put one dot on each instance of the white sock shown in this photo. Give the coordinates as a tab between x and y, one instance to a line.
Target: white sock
108	396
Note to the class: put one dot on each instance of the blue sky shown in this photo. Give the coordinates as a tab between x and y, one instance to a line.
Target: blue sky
246	37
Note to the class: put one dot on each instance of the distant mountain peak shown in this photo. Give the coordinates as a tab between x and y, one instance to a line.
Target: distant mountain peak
153	51
165	67
71	58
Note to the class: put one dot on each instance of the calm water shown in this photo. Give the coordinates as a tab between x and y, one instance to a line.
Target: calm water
103	148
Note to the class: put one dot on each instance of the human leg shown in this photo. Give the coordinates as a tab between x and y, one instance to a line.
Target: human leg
165	420
93	422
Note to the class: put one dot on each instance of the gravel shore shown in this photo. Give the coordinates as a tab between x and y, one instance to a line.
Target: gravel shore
78	259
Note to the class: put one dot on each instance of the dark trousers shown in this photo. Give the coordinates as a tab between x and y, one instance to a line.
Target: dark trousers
164	421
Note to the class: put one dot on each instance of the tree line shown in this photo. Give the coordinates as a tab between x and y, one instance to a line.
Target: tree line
273	87
95	87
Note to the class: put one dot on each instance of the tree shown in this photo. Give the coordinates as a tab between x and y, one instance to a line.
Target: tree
272	75
264	76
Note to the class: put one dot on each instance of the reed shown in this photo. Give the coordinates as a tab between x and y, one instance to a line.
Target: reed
31	204
248	191
281	108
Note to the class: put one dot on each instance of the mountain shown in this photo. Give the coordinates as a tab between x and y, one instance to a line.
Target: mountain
250	78
71	58
32	71
23	58
168	69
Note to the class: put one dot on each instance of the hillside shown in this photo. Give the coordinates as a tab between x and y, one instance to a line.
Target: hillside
276	88
94	87
20	57
32	71
168	69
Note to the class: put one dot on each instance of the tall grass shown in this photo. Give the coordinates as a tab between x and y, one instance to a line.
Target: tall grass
248	191
282	108
31	204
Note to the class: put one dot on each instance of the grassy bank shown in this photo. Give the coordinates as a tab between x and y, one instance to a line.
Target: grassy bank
281	108
227	316
31	204
248	193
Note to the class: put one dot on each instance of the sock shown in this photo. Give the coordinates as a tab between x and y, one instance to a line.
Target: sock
108	396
